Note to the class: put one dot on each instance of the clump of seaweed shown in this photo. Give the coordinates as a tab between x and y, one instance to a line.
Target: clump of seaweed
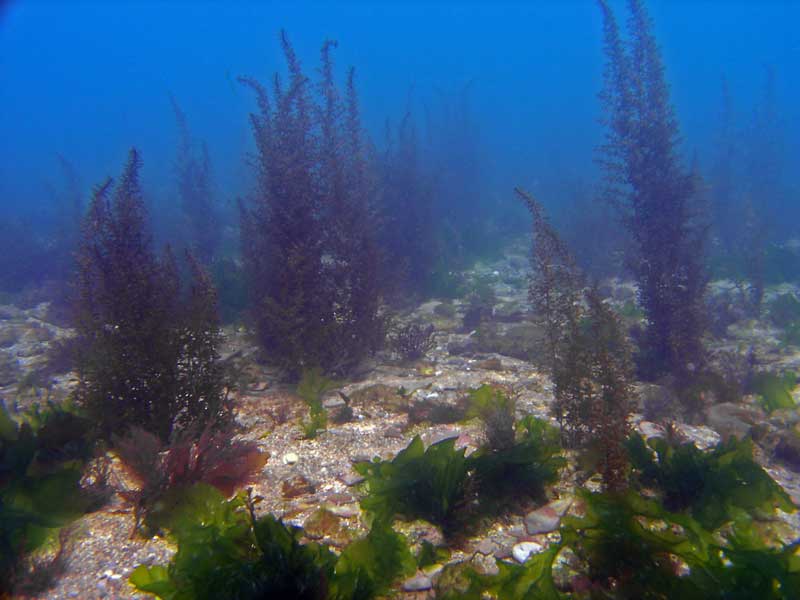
419	483
311	388
496	409
144	356
41	466
226	551
711	486
412	340
774	391
163	473
480	304
442	485
522	469
308	234
625	546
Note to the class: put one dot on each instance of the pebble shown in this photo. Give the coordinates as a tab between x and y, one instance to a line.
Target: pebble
522	551
290	458
351	479
296	486
419	583
393	433
333	402
486	547
546	518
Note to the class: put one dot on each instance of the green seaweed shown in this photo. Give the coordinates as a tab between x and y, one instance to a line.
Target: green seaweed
530	581
225	551
496	409
418	483
522	469
443	486
711	486
368	566
774	391
41	465
313	384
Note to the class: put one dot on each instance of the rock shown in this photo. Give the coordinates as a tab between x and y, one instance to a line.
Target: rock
650	430
490	364
295	486
509	312
393	433
787	450
9	370
437	408
322	523
332	402
548	517
9	336
466	347
445	310
486	546
522	551
735	420
381	395
351	479
419	583
8	312
37	333
659	403
346	512
290	458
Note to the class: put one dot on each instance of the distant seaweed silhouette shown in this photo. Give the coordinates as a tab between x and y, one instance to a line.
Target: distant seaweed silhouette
193	172
308	233
655	195
144	356
406	225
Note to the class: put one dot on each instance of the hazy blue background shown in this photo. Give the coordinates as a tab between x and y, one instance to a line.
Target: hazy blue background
90	79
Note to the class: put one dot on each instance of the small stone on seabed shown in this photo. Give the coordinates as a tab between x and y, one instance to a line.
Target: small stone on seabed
296	486
522	551
546	518
351	479
290	458
393	433
420	582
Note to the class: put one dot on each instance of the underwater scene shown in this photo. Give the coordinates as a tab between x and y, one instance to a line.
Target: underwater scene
355	300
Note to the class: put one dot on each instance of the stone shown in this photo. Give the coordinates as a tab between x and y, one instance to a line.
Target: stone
787	450
322	523
658	403
522	551
490	364
290	458
380	394
9	336
418	583
333	402
296	486
729	419
393	433
486	546
9	369
351	479
548	517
